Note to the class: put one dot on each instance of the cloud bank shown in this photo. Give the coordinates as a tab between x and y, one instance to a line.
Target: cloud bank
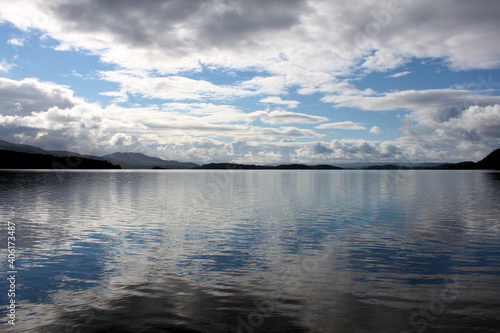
288	50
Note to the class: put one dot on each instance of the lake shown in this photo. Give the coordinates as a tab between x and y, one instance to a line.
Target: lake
251	251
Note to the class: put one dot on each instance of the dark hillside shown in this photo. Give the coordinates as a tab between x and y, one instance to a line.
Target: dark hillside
17	160
492	161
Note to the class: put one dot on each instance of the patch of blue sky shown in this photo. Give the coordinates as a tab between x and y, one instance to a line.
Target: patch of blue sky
223	76
138	100
38	58
429	74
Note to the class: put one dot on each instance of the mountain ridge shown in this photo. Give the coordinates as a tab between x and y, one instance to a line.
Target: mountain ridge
491	161
141	161
125	160
130	160
10	159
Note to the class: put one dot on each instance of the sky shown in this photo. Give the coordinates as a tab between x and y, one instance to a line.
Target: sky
260	81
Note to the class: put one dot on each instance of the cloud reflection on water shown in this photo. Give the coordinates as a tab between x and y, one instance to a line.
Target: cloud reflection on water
324	251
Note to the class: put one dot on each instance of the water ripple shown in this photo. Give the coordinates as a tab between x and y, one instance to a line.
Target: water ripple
254	251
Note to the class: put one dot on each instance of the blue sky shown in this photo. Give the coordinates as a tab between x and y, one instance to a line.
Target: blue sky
297	81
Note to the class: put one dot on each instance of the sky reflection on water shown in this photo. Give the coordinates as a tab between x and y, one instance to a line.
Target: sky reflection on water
262	251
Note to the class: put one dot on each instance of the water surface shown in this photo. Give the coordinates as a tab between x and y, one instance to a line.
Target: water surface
253	250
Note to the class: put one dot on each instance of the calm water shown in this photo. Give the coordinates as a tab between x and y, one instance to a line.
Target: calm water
253	251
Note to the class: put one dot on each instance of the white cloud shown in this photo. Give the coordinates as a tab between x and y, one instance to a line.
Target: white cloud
399	74
221	113
277	100
434	102
88	128
180	88
6	66
308	46
383	60
51	117
376	130
287	117
285	151
473	124
347	125
268	85
343	88
122	139
16	41
436	111
294	39
405	150
47	114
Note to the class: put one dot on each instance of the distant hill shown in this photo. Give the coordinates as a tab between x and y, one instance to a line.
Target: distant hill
141	161
389	167
33	150
125	160
18	160
468	165
306	167
235	166
492	161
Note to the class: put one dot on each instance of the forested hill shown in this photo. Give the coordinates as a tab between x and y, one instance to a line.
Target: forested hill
17	160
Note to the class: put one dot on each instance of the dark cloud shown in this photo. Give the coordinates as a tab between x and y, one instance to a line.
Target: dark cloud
136	23
28	95
318	148
176	26
328	36
242	23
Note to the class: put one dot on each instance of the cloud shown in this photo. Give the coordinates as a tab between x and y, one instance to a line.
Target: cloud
23	97
89	128
426	29
211	112
425	101
47	114
16	41
320	149
122	139
287	117
346	150
223	113
277	100
163	49
179	88
51	117
383	60
186	134
436	111
347	125
343	88
298	39
286	151
168	36
399	74
474	124
5	66
376	130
